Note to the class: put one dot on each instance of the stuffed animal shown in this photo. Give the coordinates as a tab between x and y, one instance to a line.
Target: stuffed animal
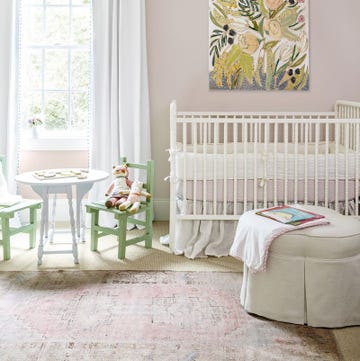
132	203
119	187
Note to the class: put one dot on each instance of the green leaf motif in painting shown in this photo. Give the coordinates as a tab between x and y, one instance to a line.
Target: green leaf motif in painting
261	27
214	21
270	61
288	17
263	9
270	44
233	56
299	61
247	66
236	59
220	9
257	74
289	34
238	79
277	11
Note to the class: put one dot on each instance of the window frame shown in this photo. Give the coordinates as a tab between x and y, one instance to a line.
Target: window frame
68	138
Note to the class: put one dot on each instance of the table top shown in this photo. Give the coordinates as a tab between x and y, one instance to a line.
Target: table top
63	176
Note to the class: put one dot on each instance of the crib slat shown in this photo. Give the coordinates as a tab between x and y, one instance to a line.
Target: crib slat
327	151
286	142
296	161
225	165
184	144
194	144
346	144
357	150
306	144
255	140
337	131
216	142
235	169
205	148
316	161
265	161
245	130
275	181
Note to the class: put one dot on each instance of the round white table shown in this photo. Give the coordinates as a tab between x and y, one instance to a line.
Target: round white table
53	181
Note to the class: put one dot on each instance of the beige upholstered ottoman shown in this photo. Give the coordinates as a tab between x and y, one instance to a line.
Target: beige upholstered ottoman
312	275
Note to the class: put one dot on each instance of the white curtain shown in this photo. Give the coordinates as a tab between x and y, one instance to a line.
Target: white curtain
121	125
8	123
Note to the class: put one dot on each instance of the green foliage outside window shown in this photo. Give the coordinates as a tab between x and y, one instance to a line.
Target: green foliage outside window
55	63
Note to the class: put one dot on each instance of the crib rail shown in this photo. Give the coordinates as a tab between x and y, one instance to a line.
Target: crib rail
275	148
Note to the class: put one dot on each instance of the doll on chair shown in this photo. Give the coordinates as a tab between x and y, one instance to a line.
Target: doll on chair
119	187
132	204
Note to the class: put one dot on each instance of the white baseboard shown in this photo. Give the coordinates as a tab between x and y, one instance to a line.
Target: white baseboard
161	210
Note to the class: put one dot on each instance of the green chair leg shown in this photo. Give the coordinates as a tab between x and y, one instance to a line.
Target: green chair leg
148	228
122	223
32	233
6	237
94	231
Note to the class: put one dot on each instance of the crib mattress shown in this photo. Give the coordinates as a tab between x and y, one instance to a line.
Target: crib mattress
315	163
275	190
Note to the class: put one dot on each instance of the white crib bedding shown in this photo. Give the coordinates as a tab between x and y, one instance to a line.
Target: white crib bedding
208	190
324	161
260	147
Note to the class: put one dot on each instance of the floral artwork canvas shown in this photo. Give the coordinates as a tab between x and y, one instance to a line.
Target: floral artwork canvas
259	44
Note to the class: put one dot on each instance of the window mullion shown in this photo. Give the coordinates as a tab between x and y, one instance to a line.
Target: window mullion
69	97
43	59
43	104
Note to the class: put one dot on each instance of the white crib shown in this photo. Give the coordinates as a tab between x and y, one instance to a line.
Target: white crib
224	163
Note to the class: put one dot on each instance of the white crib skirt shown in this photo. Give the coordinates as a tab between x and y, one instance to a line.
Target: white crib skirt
199	239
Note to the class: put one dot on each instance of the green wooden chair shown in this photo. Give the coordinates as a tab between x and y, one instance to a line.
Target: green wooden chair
122	218
8	212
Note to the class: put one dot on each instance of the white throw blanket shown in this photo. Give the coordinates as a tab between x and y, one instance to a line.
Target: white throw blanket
254	235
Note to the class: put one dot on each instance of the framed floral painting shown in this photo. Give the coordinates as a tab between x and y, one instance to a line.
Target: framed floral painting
259	44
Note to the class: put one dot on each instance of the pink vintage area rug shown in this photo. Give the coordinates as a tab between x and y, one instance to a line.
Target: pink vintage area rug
131	316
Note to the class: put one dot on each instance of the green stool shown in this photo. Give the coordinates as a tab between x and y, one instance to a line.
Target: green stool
8	212
124	217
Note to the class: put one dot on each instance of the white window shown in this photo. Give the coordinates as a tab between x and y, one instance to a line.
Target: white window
54	73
